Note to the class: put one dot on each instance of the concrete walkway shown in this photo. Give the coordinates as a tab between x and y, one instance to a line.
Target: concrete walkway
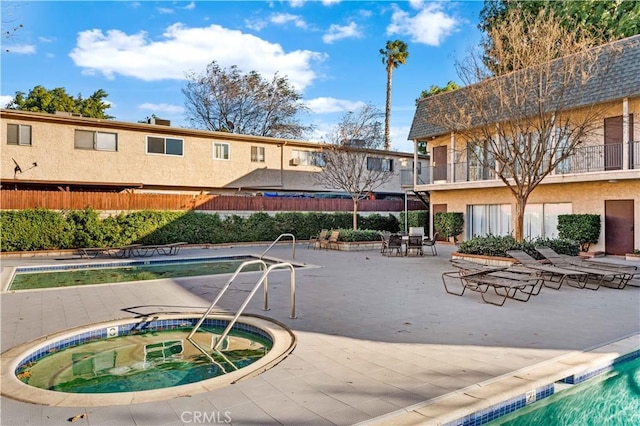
376	335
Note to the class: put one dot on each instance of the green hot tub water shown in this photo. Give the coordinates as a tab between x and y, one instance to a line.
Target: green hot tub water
142	362
612	399
97	275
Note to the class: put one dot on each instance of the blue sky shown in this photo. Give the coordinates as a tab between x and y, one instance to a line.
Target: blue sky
140	51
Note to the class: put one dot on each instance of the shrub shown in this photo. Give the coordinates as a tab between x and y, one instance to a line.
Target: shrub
36	229
349	235
583	228
493	245
417	218
449	224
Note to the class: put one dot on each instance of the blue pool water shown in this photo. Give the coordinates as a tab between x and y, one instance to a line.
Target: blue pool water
610	399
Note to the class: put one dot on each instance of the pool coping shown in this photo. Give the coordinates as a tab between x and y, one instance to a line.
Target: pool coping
486	401
284	342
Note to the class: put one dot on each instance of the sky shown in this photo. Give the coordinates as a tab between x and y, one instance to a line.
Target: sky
140	52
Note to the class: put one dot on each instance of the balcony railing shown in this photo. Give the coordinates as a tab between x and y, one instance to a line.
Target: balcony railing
406	177
594	158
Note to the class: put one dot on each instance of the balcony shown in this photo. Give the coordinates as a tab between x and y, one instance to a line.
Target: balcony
588	159
406	177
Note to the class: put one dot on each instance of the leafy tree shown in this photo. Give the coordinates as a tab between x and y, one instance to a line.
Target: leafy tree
603	20
229	101
39	99
515	125
348	163
434	90
393	55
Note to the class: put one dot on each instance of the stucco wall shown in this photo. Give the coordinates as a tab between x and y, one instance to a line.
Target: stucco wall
53	150
586	197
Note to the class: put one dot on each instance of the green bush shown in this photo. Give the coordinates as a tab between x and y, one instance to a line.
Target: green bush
583	228
493	245
416	218
42	229
449	224
349	235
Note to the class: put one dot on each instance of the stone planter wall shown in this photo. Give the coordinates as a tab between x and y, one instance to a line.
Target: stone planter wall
358	246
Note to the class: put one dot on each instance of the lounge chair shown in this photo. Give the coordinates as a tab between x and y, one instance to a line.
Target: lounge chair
431	243
316	240
506	284
613	277
119	252
553	276
170	249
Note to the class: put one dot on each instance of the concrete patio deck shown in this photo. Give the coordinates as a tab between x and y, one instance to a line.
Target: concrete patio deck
378	339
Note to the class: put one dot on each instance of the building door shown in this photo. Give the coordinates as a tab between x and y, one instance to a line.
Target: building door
440	163
438	208
618	226
613	141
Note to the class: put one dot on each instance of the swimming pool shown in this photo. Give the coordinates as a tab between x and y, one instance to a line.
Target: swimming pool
38	277
611	399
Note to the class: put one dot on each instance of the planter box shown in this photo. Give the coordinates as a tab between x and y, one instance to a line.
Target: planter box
632	256
358	246
484	260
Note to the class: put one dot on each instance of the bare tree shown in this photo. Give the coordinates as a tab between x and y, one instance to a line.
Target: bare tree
228	100
350	164
523	124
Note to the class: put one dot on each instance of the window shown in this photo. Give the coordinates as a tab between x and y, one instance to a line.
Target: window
307	158
166	146
97	141
541	220
257	154
379	164
18	134
221	151
488	219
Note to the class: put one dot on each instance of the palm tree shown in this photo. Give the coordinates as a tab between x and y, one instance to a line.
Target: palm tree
394	55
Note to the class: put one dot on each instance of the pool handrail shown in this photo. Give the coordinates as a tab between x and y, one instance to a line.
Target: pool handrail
262	279
224	289
293	244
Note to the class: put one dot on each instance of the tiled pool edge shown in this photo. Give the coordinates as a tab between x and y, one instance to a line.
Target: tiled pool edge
487	401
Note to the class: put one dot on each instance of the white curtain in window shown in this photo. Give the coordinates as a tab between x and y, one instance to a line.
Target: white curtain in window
106	142
533	221
551	213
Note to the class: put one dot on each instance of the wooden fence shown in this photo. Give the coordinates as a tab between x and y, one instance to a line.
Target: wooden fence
61	200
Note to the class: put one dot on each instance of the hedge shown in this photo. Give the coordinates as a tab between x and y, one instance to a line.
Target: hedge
493	245
41	229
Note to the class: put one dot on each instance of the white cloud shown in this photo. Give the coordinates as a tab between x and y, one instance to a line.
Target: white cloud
45	39
431	25
330	2
190	6
325	105
20	49
4	100
170	109
416	4
164	10
398	136
337	32
183	49
255	24
285	18
296	3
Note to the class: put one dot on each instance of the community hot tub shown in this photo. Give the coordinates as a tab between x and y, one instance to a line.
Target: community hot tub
132	361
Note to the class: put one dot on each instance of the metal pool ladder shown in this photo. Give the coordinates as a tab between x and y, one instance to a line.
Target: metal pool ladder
263	279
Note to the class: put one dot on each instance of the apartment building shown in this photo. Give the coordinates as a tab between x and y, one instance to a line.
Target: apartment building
66	152
601	177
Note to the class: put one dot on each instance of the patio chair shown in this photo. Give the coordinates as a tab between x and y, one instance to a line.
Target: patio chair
170	249
395	245
316	240
414	242
613	277
118	251
384	238
553	276
332	241
416	230
431	243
